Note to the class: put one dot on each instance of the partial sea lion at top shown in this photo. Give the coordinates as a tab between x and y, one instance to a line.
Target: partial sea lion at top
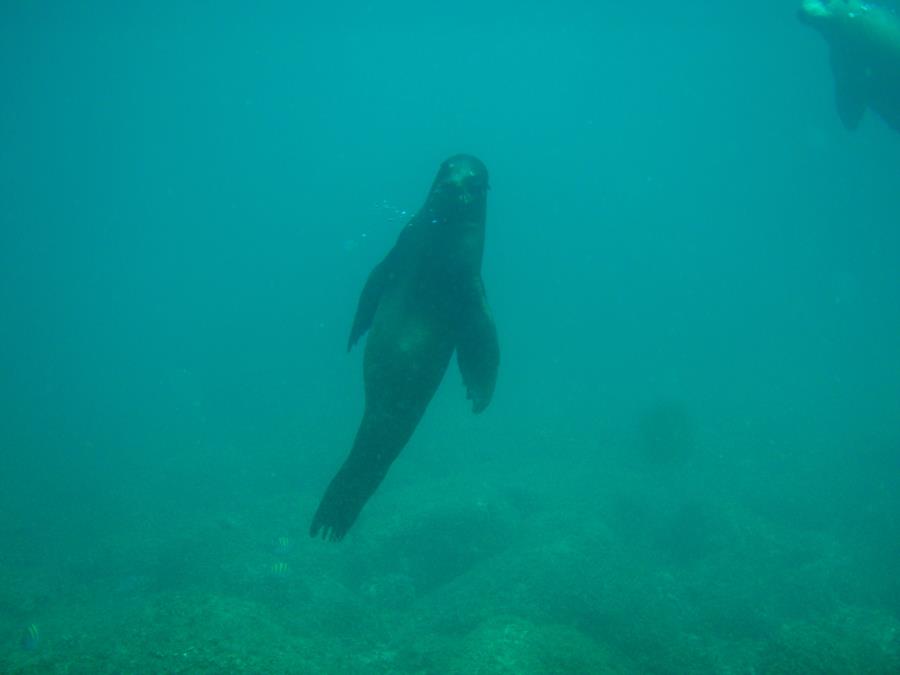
864	45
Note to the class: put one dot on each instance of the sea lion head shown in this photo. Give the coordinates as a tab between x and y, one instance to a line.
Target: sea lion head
460	186
821	13
814	11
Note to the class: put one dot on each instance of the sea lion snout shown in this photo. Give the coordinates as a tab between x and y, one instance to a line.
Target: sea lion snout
813	12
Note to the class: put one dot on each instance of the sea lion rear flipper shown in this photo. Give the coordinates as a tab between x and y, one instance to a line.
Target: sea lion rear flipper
378	279
849	88
347	493
478	351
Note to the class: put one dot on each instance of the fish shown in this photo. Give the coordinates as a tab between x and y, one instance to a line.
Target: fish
283	545
31	638
280	569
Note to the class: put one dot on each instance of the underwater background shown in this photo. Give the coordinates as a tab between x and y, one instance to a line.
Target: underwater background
692	460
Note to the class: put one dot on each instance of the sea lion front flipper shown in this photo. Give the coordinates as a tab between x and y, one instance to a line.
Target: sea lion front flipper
368	302
477	350
379	278
849	89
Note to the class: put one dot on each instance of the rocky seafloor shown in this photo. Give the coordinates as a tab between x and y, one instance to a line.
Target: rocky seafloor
632	573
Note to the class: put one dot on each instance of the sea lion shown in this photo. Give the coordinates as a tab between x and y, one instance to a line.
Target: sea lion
864	40
422	302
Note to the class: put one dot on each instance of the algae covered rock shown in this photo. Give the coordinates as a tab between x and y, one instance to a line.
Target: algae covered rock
853	640
511	645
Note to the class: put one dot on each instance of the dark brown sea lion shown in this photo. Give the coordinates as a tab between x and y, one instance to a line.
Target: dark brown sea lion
422	302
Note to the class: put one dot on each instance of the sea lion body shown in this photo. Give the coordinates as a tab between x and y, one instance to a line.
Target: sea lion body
864	41
422	302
